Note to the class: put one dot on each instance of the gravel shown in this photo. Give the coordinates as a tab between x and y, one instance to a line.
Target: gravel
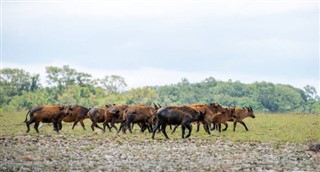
118	153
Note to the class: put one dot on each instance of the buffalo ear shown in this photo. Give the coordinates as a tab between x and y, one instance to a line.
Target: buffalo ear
155	106
215	104
61	107
250	108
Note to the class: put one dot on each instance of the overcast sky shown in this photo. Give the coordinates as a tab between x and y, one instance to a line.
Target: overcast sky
160	42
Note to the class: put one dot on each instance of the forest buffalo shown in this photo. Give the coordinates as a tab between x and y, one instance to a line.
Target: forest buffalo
210	110
240	114
96	115
77	114
46	114
176	115
140	114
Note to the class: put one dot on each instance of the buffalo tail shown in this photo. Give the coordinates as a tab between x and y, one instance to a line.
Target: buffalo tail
27	116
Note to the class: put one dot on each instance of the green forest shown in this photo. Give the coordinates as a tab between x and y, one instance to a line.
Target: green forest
21	90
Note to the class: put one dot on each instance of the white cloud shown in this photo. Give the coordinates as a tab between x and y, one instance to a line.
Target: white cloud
154	8
93	18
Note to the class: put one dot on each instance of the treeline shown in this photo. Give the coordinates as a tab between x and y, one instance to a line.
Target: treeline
21	90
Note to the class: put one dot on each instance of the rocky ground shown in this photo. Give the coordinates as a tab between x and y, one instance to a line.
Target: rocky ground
97	153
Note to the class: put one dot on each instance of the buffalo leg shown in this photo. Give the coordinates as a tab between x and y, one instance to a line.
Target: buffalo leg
56	127
163	129
59	124
189	127
241	122
106	124
123	125
206	127
144	127
149	128
82	124
155	129
183	129
96	125
234	125
130	126
113	121
129	123
213	126
74	124
36	125
28	125
225	129
219	127
174	129
109	127
92	126
198	126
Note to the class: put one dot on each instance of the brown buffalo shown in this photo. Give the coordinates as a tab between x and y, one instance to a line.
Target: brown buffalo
46	114
223	117
240	114
210	110
114	114
78	114
96	115
140	114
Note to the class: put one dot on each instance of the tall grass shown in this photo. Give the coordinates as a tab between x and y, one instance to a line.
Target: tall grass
295	128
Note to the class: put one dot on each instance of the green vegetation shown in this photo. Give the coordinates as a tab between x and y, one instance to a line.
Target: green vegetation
295	128
21	90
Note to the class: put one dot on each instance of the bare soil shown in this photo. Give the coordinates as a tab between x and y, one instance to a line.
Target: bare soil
98	153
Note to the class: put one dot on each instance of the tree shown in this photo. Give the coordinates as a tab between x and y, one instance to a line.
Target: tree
66	76
14	81
83	79
35	82
53	76
264	93
288	99
311	93
70	96
143	96
113	84
313	99
61	76
211	81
